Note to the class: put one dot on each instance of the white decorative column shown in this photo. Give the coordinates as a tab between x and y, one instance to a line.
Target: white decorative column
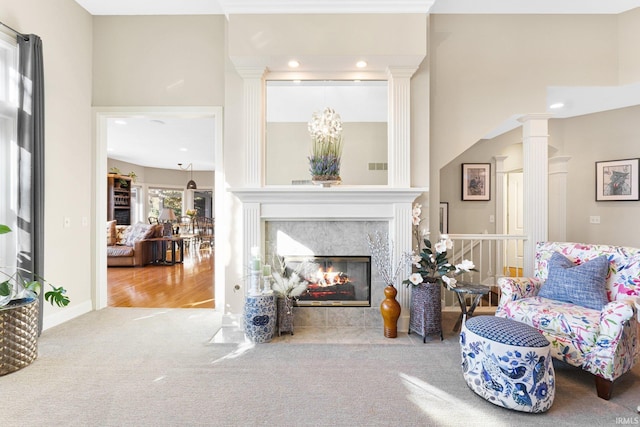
400	227
399	126
253	123
558	198
535	158
501	208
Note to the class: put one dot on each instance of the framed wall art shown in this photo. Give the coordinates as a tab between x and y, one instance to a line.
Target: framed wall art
444	217
476	181
617	180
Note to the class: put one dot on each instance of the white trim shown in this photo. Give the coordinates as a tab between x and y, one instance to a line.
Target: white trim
69	313
99	202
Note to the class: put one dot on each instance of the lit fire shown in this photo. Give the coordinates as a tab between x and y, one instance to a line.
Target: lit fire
324	278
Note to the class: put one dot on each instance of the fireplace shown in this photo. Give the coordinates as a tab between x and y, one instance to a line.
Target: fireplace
307	221
334	281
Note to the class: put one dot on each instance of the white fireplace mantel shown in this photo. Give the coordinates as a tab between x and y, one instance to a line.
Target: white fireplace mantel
315	202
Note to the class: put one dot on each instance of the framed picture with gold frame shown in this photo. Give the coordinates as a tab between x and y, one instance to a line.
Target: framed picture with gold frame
476	181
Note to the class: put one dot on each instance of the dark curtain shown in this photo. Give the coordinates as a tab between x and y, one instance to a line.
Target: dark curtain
31	158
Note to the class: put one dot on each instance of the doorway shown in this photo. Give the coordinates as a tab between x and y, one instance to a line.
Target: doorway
515	222
102	116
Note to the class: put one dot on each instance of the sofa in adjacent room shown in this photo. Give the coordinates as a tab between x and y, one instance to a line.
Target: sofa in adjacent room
130	245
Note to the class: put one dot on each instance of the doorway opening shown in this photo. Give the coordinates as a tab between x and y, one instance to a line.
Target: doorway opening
208	197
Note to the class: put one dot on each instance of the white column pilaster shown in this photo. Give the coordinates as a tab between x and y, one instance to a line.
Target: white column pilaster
253	124
558	198
535	137
399	126
400	235
252	236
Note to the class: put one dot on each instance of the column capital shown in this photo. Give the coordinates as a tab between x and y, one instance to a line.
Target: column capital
534	116
251	72
500	163
401	72
558	164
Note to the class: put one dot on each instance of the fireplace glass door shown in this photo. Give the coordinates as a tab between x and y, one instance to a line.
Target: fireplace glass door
334	281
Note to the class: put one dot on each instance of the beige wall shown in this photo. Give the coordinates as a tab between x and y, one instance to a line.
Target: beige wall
486	68
158	60
67	43
481	70
629	34
610	135
168	177
326	35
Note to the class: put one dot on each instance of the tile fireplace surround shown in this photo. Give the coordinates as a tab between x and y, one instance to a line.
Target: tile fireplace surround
303	220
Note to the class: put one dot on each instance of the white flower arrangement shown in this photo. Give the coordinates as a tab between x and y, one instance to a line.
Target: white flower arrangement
430	261
287	284
326	134
325	126
288	287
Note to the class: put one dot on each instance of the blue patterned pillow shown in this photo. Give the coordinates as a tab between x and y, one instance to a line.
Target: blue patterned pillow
582	284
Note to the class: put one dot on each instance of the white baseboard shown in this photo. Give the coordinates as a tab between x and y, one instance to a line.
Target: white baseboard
66	314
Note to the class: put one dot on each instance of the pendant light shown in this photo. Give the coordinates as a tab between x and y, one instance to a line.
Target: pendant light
191	185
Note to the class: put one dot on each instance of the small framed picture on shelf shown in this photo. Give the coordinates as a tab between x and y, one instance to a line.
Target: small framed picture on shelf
444	217
476	181
617	180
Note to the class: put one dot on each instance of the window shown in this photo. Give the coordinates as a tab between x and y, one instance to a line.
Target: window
8	146
203	203
165	198
137	205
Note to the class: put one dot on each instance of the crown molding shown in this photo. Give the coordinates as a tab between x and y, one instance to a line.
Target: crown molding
232	7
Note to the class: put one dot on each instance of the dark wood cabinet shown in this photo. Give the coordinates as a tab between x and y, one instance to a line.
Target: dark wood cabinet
119	199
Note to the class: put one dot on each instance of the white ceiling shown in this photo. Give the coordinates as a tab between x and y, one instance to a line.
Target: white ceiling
145	142
219	7
162	141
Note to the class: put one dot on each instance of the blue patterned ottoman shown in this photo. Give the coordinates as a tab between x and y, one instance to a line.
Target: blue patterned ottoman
508	363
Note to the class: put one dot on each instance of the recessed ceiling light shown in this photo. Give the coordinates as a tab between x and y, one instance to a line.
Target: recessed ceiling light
183	149
556	105
120	122
293	64
361	64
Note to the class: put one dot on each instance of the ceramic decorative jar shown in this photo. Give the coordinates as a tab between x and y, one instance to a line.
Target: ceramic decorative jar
260	317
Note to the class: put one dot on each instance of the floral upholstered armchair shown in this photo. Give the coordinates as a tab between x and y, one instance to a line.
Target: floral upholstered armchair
583	300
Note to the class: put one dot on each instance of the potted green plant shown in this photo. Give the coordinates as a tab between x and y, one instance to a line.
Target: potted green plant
19	307
16	286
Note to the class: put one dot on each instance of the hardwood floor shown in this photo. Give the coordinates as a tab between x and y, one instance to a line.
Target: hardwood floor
186	285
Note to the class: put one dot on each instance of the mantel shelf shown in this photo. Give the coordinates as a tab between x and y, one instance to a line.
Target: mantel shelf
342	194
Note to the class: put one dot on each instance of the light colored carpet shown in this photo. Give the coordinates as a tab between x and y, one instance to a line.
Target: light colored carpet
159	367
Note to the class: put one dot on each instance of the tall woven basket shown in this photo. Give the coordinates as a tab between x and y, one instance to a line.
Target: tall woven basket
426	310
18	335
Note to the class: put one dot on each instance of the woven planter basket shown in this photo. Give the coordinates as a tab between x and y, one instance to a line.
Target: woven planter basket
285	315
18	335
426	310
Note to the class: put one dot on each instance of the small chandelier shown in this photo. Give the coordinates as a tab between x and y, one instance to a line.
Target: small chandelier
191	185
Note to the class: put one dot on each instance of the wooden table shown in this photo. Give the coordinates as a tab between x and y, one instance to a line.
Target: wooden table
175	243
